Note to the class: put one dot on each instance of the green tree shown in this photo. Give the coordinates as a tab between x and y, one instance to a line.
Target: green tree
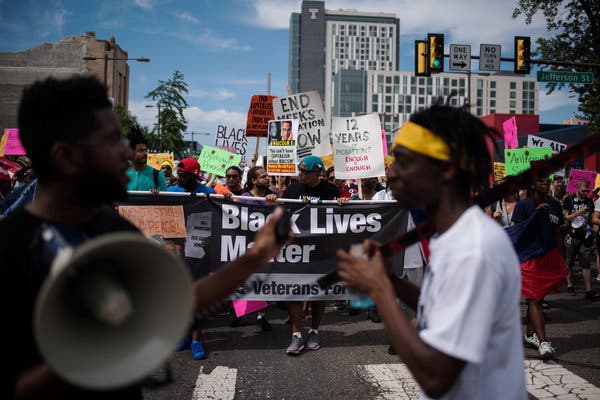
169	96
576	28
127	119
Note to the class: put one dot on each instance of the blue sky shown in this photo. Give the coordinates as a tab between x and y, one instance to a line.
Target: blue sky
226	48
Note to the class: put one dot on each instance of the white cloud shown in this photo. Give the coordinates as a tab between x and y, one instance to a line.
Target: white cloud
186	17
464	21
208	39
51	22
145	4
198	119
557	99
219	94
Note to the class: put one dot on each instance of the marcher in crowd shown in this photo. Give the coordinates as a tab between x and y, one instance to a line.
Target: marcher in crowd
142	176
466	344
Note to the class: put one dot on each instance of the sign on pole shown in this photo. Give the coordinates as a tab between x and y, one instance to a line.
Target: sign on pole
460	57
536	141
232	139
509	128
313	131
489	57
259	115
357	147
586	78
518	160
216	161
281	147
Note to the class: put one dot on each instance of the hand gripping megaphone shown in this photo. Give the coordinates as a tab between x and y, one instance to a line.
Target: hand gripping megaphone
112	310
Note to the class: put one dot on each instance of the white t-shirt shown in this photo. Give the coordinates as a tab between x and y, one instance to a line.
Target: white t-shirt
413	255
469	308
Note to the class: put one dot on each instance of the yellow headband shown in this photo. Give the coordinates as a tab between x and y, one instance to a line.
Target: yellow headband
421	140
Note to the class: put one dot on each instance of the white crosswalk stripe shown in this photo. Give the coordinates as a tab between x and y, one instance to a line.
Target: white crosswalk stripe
218	385
545	381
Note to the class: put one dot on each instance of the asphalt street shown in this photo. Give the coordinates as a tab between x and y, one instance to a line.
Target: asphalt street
353	363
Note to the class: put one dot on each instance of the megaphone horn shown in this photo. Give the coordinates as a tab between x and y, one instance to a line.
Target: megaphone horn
112	310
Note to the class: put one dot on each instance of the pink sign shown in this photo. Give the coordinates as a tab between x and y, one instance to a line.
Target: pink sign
510	133
243	307
13	143
384	142
579	174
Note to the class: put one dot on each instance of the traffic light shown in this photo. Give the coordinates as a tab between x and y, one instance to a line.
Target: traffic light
436	52
522	54
421	61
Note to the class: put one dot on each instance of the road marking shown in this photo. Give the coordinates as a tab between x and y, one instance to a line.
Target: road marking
218	385
548	380
545	381
393	380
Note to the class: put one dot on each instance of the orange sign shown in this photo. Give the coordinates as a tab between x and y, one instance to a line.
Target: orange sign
167	221
259	115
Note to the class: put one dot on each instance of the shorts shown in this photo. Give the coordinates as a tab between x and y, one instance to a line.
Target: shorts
580	249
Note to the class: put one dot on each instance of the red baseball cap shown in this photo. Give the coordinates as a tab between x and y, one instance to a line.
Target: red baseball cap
190	166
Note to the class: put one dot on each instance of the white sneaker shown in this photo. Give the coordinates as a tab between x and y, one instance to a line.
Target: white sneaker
546	350
531	340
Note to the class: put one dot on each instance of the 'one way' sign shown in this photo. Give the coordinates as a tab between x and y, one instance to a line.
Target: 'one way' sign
460	57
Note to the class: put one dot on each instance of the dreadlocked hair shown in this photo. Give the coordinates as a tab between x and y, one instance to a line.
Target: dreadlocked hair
467	138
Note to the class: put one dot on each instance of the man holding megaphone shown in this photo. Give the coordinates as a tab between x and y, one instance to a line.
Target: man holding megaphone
73	138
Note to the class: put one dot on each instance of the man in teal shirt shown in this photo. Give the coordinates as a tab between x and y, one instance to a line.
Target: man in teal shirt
141	175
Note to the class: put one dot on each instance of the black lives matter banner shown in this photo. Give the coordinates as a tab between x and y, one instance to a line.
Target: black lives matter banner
218	231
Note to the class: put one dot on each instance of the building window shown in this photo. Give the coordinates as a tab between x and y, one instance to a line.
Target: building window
479	112
375	98
374	108
388	99
492	103
396	80
513	85
493	85
493	93
388	89
513	95
421	81
492	111
479	84
512	104
421	90
388	79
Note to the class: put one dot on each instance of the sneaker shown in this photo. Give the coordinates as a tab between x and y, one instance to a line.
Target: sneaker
198	352
312	342
296	346
532	340
571	290
591	295
373	315
264	324
546	350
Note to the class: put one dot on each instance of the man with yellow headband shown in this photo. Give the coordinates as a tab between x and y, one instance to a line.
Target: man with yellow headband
467	342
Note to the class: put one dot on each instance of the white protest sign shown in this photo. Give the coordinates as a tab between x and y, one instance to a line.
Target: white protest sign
357	150
232	139
536	141
281	147
313	132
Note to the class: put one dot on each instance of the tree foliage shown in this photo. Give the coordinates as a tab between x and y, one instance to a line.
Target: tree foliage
169	95
128	120
575	25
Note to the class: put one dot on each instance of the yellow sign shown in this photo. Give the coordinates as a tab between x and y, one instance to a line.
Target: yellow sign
155	159
499	171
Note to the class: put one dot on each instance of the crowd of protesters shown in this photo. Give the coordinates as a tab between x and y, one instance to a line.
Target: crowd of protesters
440	355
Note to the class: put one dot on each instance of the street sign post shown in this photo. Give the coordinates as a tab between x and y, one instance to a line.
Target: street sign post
460	57
489	57
585	78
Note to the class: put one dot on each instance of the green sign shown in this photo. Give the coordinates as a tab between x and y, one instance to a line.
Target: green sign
216	161
586	78
518	160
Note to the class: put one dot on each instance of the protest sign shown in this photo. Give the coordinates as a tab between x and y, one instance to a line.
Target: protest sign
577	175
13	146
357	150
499	171
259	115
536	141
166	221
313	131
218	231
155	159
518	160
281	147
216	161
231	139
509	127
3	140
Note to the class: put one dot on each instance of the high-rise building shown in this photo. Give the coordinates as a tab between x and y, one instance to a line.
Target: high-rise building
394	95
323	42
62	59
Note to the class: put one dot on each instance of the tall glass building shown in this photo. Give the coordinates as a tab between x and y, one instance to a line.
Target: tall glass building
323	42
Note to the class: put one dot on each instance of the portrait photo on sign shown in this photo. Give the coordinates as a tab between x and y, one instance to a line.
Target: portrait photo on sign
274	131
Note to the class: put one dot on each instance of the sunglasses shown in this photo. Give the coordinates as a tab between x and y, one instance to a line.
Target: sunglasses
232	176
